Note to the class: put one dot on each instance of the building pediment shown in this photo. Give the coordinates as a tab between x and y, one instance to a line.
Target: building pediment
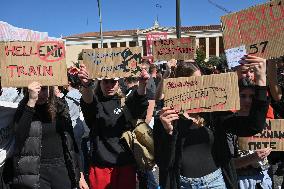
156	29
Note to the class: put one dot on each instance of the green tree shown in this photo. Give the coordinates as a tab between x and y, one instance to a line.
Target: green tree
213	61
200	57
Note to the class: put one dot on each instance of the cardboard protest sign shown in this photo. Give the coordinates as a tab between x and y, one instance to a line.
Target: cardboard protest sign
259	29
272	136
24	62
179	49
113	62
207	93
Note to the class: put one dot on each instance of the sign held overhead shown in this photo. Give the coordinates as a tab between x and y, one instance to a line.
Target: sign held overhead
24	62
259	29
113	62
179	49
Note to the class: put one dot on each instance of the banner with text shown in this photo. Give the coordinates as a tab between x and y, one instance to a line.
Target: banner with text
24	62
257	31
179	49
271	137
207	93
113	62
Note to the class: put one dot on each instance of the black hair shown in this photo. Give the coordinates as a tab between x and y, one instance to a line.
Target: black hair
131	79
74	80
152	67
185	69
246	83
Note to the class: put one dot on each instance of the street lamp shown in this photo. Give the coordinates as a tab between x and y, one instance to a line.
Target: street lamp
101	27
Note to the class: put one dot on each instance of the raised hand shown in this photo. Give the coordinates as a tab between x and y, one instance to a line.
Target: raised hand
259	66
143	80
167	116
34	90
84	75
261	154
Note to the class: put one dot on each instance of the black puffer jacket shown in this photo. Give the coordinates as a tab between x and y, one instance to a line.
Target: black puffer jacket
28	146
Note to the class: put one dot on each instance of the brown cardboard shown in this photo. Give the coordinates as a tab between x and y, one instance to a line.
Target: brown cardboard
179	49
113	62
272	136
259	28
24	62
207	93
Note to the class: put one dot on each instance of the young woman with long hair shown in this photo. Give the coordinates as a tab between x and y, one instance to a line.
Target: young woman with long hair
191	150
46	154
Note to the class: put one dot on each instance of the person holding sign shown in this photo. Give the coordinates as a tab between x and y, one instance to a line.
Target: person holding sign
191	149
112	164
246	72
46	154
252	166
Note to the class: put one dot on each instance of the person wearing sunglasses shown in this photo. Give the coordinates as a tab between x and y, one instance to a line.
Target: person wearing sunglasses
112	163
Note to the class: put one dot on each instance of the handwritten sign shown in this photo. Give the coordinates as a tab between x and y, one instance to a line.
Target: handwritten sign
24	62
207	93
272	136
113	62
179	49
259	28
151	37
234	55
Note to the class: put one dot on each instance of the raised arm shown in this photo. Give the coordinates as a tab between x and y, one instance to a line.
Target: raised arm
87	91
25	113
255	121
165	138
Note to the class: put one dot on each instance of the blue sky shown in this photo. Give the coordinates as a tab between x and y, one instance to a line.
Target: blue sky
67	17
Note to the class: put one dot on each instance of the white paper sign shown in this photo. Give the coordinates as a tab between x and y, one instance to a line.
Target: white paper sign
234	55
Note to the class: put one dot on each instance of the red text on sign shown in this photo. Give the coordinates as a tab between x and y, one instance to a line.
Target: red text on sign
20	71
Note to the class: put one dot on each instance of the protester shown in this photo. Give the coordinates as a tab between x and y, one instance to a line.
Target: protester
46	154
112	164
146	179
245	71
252	166
191	150
72	98
153	71
7	111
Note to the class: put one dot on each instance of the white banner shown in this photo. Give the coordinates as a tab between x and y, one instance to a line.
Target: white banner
12	33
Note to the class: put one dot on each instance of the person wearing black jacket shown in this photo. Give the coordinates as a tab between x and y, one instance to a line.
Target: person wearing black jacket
46	155
190	154
112	163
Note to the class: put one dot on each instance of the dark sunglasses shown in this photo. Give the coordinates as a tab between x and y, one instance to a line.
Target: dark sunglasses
111	81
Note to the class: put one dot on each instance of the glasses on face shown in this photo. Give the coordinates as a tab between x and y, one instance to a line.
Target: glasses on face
110	81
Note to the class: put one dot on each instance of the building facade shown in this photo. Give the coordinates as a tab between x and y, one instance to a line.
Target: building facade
208	38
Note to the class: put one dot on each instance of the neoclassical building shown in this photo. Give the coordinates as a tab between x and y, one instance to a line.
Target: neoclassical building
208	38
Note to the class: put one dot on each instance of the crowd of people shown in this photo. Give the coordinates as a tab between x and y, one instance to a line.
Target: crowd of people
67	137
